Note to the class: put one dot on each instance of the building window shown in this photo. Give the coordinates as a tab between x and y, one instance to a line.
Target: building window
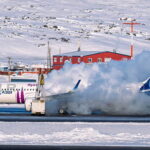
79	60
61	59
89	60
99	60
107	59
55	59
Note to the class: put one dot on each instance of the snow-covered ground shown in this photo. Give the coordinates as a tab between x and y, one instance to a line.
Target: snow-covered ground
26	26
137	134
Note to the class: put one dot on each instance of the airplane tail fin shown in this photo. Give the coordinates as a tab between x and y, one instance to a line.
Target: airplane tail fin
146	86
76	86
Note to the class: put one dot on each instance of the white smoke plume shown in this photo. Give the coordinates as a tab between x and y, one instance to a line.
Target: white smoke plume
111	88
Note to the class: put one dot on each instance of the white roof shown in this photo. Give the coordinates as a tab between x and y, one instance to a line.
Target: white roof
79	53
84	53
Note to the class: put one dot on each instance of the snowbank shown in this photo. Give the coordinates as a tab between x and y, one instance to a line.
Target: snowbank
53	133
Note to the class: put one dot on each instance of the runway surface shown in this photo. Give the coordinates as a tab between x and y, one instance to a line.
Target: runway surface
27	118
20	115
39	147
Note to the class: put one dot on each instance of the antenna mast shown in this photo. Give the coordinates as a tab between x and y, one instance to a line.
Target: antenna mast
49	57
132	23
79	46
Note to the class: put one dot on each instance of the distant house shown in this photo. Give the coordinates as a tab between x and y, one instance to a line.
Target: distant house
88	57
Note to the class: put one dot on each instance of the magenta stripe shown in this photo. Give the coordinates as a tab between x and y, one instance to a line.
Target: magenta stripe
22	96
18	101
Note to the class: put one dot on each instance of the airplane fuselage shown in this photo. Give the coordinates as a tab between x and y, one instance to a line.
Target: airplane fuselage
17	92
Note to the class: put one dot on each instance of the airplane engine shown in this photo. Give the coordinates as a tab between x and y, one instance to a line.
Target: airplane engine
28	104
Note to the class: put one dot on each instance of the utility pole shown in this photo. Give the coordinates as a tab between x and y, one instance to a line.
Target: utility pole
132	23
49	57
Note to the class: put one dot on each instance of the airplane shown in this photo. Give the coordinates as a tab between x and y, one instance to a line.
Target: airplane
17	93
19	90
60	101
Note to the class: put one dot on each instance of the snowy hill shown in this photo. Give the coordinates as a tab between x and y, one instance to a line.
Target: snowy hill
27	25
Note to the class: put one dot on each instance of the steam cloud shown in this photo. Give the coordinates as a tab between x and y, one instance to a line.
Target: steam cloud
112	88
